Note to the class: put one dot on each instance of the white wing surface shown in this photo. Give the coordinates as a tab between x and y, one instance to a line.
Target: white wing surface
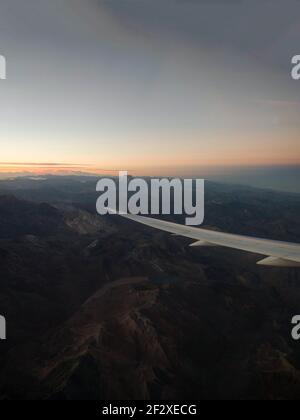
278	254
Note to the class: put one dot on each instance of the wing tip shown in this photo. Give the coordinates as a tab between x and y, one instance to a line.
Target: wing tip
278	262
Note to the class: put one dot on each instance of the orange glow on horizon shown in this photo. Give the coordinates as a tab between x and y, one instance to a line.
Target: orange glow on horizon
142	169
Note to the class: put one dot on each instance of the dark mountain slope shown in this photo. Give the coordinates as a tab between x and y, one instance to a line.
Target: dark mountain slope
99	307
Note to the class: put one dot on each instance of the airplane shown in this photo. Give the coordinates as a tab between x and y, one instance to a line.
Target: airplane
278	254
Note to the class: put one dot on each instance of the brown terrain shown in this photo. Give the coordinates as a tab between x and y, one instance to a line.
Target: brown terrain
100	308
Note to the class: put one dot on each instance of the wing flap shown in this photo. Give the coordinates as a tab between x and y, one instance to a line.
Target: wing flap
278	262
202	243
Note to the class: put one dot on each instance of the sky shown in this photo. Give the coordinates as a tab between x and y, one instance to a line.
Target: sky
148	86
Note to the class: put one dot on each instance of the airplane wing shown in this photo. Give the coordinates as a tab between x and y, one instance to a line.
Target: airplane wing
279	254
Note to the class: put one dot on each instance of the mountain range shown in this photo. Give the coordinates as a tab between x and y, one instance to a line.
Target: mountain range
99	308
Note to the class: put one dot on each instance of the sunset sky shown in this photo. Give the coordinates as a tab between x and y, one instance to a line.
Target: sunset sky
152	86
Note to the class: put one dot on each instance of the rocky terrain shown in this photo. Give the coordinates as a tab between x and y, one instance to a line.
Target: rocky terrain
101	308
